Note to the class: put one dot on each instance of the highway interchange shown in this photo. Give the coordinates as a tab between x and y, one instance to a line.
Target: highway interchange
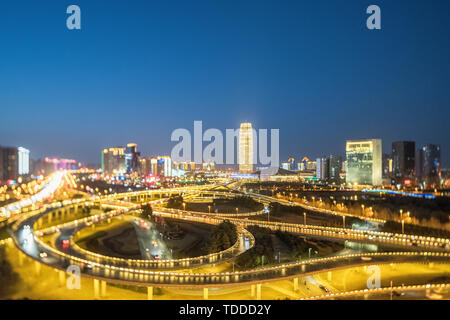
63	252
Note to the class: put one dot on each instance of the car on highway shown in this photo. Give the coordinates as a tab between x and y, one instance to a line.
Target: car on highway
324	288
366	258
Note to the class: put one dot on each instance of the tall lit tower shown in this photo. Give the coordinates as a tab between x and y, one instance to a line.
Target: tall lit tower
246	148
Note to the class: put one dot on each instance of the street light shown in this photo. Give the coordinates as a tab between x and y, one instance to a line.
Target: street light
304	218
403	226
343	221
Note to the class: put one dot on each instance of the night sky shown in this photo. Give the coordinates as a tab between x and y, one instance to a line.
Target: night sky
140	69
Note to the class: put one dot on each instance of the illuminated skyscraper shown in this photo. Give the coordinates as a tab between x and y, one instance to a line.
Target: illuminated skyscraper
321	169
364	162
246	148
131	158
24	161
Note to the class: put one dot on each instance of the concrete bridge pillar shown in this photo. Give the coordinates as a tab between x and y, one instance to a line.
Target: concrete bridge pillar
149	293
103	288
329	275
205	293
303	267
252	290
50	217
258	291
295	284
431	265
96	289
62	278
37	267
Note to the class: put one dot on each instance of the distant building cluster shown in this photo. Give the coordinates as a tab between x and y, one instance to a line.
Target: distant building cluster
48	165
366	164
127	160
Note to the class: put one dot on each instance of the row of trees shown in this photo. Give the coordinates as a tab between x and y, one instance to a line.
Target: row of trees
146	212
175	202
262	252
243	201
221	238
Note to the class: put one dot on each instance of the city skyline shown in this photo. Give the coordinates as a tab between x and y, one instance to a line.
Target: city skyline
312	70
252	152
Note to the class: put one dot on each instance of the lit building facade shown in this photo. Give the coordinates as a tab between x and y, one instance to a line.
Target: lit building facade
113	160
131	158
364	162
321	169
246	148
161	166
23	156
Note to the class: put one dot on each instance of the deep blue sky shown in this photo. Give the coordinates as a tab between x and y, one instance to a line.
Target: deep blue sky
139	69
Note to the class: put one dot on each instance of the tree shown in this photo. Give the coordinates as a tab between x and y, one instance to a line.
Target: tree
175	202
146	212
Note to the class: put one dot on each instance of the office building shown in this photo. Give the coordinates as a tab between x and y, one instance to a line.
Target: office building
364	162
403	159
245	153
428	159
321	169
131	158
113	160
23	165
334	168
10	160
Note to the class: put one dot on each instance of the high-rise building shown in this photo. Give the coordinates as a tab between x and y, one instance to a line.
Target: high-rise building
24	161
321	169
428	159
145	166
113	160
131	158
154	166
334	168
364	161
403	159
10	163
164	166
386	166
246	148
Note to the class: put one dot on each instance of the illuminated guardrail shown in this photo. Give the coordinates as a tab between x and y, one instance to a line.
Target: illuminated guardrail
138	276
379	290
220	256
